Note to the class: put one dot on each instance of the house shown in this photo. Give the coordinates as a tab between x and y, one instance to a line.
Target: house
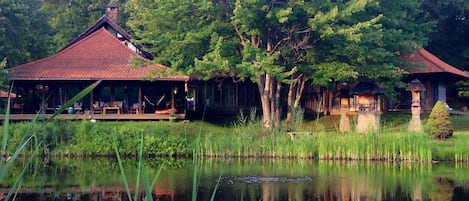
434	73
222	95
102	52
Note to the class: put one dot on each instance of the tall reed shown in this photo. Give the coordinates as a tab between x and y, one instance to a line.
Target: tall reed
374	146
461	148
141	174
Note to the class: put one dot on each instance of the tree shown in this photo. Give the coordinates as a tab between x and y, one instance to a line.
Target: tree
4	84
278	44
438	124
448	39
24	33
69	18
176	31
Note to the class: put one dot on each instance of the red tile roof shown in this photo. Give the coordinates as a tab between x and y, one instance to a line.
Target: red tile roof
99	56
432	64
4	94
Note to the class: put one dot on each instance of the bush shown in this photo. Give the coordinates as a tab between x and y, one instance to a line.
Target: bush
438	124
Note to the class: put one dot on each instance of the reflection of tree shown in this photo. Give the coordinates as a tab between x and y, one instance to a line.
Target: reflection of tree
441	190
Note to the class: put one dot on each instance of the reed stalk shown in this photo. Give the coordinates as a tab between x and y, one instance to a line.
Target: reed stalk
141	174
6	124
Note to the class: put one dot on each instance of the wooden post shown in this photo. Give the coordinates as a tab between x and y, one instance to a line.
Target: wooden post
92	102
140	108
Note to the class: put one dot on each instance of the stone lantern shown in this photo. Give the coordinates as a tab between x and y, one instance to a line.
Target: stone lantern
368	94
415	87
344	96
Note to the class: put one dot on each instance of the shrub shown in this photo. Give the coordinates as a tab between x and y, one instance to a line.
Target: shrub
438	124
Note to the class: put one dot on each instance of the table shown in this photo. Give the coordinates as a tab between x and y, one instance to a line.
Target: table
106	108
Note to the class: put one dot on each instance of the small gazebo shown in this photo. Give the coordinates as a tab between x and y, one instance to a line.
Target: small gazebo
368	94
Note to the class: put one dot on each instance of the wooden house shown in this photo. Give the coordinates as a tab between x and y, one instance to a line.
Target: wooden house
435	75
102	52
222	96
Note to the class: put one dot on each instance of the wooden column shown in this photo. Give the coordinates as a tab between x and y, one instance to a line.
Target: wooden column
140	108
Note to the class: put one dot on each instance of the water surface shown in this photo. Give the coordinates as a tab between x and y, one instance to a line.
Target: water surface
240	179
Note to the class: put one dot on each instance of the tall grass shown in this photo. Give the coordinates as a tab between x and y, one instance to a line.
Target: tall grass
6	125
374	146
461	148
246	141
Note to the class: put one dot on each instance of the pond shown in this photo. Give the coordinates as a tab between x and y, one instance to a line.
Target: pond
238	179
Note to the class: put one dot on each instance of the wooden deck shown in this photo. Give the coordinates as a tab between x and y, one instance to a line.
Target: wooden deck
147	116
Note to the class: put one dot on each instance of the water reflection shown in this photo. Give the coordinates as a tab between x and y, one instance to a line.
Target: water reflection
241	179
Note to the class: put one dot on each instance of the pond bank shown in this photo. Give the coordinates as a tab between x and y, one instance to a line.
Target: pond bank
84	138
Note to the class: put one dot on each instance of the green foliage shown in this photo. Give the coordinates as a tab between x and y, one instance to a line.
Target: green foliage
463	89
166	29
297	120
4	76
448	39
438	124
68	19
24	33
88	138
326	74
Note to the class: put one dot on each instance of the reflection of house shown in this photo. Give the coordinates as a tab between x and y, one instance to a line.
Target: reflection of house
102	52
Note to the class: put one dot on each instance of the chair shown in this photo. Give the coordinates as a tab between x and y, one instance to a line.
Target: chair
96	108
77	107
134	109
117	104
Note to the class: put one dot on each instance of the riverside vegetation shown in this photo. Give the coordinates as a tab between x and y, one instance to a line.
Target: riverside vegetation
319	139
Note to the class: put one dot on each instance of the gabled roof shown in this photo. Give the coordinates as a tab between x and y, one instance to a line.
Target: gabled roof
105	22
431	64
98	56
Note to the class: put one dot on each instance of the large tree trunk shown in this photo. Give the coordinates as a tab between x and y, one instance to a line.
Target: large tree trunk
290	102
330	101
294	96
277	104
264	90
